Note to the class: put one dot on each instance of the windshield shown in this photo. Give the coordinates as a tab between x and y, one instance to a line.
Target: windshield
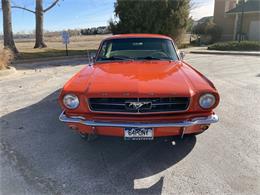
137	49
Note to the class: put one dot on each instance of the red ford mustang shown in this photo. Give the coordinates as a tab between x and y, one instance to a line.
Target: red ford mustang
138	87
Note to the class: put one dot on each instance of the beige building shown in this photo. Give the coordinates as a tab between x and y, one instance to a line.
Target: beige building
229	16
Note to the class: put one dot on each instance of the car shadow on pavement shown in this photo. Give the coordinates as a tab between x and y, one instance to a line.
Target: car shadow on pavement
54	159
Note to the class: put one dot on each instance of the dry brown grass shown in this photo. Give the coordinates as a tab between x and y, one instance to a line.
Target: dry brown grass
55	43
78	46
6	56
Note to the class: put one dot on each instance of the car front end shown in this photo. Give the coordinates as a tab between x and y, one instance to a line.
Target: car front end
138	98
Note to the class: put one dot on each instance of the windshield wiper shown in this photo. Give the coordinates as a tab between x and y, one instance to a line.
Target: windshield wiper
153	58
117	58
148	58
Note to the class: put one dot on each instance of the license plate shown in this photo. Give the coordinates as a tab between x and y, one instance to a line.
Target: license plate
133	133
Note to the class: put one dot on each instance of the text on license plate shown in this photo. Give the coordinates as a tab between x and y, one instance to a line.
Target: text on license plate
133	133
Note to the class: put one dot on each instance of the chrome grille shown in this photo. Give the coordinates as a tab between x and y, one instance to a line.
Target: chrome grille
139	105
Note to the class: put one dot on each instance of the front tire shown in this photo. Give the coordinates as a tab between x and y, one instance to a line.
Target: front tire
83	136
88	137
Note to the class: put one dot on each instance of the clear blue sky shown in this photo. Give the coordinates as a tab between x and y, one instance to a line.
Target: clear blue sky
80	14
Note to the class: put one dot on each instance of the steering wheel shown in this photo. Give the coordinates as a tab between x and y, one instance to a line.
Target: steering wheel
159	54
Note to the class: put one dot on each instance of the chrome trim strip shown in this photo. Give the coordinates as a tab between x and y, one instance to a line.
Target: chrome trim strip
195	121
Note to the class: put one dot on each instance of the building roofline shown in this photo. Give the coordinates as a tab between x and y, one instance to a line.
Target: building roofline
247	7
245	12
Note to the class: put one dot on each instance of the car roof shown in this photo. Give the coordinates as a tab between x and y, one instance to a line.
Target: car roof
119	36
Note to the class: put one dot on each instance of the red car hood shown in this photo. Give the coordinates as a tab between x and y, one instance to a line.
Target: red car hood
136	79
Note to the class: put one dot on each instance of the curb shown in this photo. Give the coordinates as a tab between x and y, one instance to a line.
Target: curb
226	53
7	71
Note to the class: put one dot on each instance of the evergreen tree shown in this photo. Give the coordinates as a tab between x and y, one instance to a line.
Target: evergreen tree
169	17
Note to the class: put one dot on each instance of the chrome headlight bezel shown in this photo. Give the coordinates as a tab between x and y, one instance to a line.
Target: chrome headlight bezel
70	101
207	101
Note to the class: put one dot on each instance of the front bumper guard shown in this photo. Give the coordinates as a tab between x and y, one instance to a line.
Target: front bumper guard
187	123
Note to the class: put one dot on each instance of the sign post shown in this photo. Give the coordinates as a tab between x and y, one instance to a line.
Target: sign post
66	40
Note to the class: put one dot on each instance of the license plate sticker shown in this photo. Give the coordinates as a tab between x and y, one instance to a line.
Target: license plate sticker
133	133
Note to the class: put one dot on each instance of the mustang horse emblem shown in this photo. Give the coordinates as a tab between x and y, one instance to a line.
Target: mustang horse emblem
138	105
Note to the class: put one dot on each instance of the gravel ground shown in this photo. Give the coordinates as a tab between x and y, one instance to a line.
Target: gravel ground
40	155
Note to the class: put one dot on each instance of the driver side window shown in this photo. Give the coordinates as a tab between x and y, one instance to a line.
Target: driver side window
103	49
106	49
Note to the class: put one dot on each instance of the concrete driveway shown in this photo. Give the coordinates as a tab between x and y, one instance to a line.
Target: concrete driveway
40	155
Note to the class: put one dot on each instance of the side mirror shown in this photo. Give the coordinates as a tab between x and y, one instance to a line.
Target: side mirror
91	57
182	54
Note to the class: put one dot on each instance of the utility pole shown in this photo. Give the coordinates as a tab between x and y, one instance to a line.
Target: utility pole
241	22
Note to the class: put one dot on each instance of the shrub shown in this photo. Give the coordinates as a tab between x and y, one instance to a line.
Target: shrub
214	31
208	28
6	56
236	46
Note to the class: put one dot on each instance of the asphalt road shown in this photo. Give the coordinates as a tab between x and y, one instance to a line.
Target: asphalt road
40	155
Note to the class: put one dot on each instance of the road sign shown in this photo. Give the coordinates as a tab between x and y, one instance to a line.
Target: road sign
65	37
66	40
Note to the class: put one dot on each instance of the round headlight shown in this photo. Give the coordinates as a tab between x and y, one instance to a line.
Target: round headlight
206	101
71	101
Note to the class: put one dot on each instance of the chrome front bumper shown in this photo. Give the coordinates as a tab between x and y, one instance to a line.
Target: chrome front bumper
195	121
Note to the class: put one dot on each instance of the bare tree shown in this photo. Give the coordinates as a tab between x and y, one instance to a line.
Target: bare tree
7	26
39	17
